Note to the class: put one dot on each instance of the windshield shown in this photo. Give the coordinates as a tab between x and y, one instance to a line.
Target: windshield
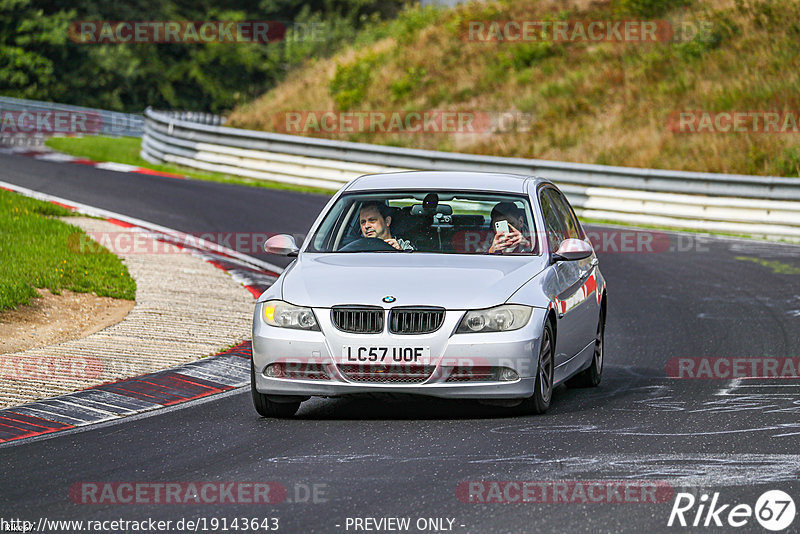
444	222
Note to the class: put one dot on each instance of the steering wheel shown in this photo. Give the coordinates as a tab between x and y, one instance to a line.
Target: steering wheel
367	244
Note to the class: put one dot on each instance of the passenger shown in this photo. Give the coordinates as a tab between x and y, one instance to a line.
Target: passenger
375	222
514	240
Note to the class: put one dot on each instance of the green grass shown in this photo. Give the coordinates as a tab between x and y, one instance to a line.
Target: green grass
39	251
126	150
778	267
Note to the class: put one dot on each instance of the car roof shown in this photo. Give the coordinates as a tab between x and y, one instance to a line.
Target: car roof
452	180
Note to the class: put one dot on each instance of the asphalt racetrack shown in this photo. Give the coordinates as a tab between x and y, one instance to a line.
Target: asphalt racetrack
343	460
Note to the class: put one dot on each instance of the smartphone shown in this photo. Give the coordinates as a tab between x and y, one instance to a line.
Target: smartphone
501	227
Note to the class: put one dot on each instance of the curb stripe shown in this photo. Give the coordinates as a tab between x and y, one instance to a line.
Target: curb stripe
14	432
123	224
59	157
151	172
222	372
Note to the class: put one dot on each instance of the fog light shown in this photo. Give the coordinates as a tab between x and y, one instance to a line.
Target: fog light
508	375
275	370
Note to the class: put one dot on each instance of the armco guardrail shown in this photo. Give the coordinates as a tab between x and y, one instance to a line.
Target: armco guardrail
754	205
32	117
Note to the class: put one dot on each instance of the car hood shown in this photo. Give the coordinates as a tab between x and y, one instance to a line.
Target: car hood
414	279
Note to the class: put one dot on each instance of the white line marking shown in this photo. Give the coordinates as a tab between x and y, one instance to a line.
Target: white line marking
733	384
770	385
118	167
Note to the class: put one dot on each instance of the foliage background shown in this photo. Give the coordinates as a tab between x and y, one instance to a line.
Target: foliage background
39	61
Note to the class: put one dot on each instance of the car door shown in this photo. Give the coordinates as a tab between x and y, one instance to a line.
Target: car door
579	301
566	277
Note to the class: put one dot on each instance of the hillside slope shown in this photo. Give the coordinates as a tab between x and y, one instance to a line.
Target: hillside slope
615	103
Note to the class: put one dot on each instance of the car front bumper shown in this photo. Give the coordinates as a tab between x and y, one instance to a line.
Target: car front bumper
517	350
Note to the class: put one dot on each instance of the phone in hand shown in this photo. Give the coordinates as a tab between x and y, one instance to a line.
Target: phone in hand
501	227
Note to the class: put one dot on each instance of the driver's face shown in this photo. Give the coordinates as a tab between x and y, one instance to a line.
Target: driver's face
373	224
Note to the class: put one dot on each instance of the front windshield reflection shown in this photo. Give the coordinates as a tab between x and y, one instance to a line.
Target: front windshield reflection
439	222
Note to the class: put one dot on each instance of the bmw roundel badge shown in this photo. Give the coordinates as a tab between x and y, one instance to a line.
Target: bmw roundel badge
389	298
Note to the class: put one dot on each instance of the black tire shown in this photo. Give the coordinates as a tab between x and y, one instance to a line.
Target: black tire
266	407
591	376
539	402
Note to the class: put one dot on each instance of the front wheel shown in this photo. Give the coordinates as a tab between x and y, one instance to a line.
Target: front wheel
539	402
266	407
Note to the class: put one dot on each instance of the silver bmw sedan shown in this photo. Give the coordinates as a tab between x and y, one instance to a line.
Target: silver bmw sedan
446	284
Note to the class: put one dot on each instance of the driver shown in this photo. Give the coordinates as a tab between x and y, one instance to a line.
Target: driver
375	222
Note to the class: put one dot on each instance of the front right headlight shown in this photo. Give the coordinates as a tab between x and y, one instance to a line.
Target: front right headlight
284	315
503	318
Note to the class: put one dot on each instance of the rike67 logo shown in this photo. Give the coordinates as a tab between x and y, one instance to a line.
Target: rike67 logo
774	510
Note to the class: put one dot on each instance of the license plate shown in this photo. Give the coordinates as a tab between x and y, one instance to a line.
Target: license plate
385	354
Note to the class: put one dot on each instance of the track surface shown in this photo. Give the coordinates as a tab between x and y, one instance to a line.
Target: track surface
406	459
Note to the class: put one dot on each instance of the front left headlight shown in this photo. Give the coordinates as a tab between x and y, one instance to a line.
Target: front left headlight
503	318
284	315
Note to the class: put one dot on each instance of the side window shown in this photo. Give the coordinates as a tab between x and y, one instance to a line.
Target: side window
554	225
562	206
325	235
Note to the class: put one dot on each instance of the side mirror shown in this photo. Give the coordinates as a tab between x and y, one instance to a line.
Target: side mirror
572	250
282	245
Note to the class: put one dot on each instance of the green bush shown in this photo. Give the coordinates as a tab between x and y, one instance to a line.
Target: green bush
414	79
525	55
649	8
789	164
39	61
350	82
412	20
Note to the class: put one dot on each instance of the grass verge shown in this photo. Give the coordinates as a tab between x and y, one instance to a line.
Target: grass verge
126	150
37	253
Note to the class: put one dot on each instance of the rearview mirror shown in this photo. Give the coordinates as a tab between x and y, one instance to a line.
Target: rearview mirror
419	209
282	245
572	250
